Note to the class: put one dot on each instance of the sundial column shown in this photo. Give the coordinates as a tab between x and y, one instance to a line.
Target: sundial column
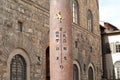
61	65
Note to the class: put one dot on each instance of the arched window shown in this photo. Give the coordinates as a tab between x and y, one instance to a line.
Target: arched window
18	68
90	74
75	12
75	73
90	21
117	69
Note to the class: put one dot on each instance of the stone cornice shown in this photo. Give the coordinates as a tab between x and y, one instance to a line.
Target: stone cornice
36	5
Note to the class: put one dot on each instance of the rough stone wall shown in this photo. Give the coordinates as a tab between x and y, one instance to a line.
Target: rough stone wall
34	39
88	50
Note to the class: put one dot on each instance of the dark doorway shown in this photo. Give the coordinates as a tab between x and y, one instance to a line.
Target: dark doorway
90	74
47	64
75	72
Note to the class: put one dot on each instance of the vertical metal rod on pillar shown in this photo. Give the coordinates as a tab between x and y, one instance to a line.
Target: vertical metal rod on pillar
61	65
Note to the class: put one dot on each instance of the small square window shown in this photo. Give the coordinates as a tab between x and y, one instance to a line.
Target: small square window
76	44
20	25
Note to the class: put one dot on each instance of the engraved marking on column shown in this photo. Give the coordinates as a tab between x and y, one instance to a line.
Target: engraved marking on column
57	58
61	37
61	66
57	36
65	58
64	36
64	48
60	29
57	48
61	43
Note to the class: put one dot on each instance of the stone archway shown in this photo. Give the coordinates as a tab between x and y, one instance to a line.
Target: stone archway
23	53
91	72
76	72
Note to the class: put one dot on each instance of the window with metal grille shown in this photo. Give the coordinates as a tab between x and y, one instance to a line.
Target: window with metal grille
75	12
90	21
18	68
117	48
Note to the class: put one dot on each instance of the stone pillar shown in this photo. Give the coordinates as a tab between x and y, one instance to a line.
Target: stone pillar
61	65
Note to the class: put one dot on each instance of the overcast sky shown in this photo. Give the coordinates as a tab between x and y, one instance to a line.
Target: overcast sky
110	11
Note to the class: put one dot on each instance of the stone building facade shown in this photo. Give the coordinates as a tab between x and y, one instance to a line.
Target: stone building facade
24	40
